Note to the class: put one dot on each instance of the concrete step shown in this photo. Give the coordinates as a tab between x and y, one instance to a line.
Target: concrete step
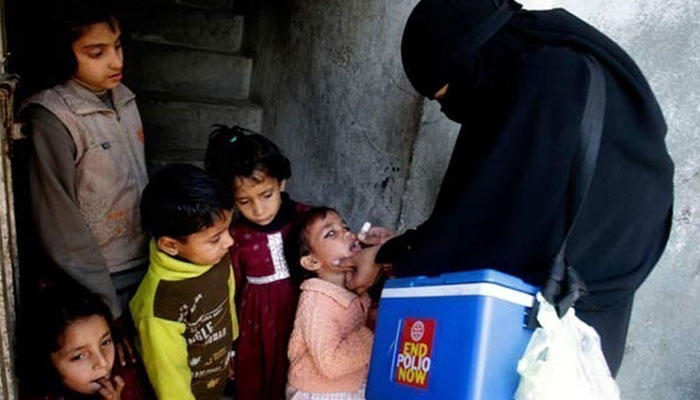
155	162
154	65
201	28
177	129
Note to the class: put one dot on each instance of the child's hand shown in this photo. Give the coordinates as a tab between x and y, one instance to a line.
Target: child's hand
109	390
125	350
376	235
364	272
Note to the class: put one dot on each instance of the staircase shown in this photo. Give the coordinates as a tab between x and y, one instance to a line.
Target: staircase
184	63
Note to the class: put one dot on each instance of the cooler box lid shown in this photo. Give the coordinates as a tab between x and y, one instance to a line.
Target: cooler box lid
489	283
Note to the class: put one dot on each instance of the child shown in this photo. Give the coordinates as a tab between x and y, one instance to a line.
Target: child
183	310
256	170
77	351
87	167
330	347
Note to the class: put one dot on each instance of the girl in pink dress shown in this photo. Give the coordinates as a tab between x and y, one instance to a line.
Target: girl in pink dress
266	296
330	346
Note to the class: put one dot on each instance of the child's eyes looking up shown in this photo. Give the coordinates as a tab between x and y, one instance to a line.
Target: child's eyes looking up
331	233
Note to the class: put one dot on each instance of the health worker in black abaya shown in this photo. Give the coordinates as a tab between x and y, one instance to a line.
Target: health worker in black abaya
517	81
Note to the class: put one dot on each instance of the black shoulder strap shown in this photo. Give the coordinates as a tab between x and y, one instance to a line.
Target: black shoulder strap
564	285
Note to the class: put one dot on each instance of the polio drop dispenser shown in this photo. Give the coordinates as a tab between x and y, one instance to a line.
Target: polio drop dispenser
457	336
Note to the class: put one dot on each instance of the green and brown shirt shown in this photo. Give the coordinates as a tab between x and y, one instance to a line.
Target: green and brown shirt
186	320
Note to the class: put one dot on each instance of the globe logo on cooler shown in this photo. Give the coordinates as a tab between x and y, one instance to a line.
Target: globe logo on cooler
417	331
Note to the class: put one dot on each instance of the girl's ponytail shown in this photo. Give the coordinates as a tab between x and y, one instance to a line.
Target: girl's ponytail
239	152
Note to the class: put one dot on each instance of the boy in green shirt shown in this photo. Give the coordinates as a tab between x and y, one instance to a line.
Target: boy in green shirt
183	309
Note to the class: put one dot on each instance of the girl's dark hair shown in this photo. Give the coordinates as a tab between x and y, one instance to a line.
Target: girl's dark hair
71	20
238	152
59	307
182	199
297	244
63	23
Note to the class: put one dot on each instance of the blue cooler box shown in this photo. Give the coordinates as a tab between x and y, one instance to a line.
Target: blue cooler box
456	336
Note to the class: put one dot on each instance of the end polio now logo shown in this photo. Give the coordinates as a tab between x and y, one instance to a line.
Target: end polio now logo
414	352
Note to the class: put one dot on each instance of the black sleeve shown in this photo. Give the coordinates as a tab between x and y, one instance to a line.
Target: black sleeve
395	248
503	200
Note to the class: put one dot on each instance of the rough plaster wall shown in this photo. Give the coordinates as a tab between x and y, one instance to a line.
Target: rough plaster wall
329	77
662	358
431	153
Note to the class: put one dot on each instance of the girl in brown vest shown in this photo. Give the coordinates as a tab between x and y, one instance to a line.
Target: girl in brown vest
87	166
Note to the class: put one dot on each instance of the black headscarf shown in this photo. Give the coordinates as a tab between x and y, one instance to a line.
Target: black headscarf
518	84
443	37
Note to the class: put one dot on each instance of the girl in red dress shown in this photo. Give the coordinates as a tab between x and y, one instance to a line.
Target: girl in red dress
266	296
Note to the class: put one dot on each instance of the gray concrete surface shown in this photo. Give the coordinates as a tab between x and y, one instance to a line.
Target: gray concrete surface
157	65
184	63
329	77
220	30
431	153
180	127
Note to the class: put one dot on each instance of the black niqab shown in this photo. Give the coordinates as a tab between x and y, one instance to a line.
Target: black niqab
517	84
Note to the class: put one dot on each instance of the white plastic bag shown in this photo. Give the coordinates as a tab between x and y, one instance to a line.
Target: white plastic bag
564	360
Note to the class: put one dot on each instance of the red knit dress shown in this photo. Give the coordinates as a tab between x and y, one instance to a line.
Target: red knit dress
266	304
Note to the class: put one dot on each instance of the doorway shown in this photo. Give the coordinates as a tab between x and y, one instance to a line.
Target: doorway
186	63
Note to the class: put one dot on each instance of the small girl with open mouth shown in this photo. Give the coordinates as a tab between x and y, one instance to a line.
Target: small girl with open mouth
330	346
